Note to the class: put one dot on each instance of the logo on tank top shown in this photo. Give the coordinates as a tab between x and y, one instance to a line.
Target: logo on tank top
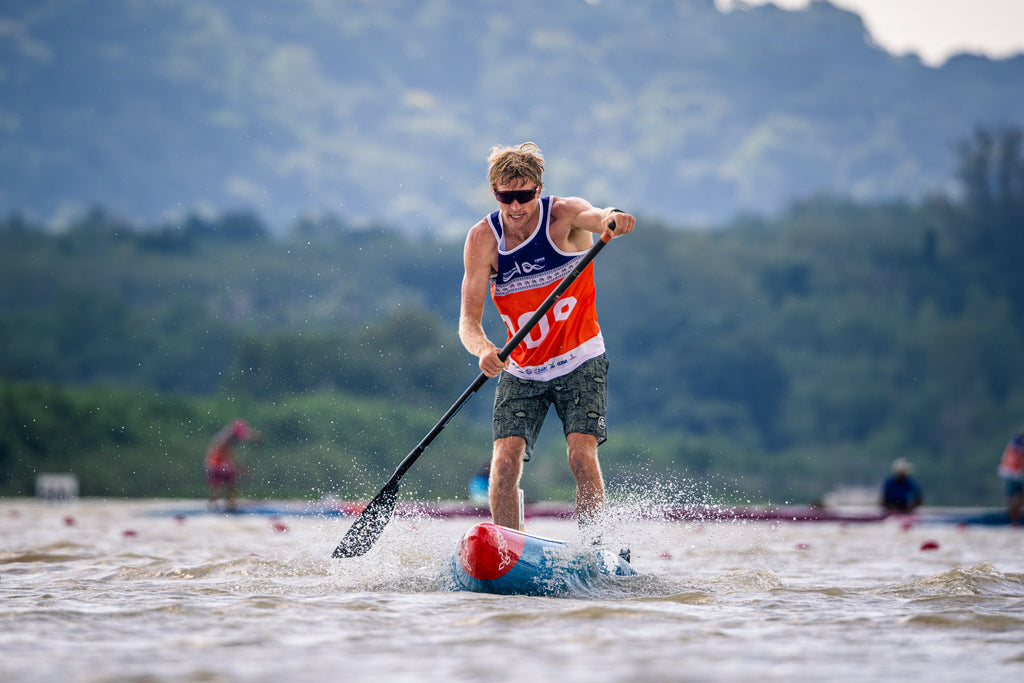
523	268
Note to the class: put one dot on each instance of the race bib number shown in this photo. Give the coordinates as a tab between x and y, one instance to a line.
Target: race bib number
562	309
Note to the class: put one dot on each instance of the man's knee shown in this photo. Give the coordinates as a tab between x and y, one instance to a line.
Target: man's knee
581	445
507	460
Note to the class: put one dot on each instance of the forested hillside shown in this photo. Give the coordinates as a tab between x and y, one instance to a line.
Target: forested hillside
775	358
385	110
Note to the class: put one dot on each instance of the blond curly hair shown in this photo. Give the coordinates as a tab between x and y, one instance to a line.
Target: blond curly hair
522	162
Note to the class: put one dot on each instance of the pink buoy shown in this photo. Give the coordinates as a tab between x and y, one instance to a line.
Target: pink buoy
930	545
180	519
803	546
129	533
280	527
69	521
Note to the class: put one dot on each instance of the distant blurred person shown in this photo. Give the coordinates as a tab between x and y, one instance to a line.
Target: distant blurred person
479	485
1011	471
900	492
222	468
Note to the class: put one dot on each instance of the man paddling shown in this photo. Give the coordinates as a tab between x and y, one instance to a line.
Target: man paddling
520	253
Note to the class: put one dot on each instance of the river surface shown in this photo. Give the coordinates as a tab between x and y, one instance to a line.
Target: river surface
99	590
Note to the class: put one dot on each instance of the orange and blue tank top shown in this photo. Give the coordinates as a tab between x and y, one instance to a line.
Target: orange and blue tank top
568	335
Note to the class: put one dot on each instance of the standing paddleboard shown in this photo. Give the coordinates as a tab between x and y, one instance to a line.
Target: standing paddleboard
496	559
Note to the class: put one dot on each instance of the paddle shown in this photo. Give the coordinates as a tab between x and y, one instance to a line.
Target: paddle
367	528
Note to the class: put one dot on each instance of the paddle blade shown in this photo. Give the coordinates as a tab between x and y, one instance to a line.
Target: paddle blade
370	524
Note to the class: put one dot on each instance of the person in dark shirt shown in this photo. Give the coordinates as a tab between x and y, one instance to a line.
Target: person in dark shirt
900	492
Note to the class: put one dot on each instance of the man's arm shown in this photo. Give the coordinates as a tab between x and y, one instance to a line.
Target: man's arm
577	216
478	257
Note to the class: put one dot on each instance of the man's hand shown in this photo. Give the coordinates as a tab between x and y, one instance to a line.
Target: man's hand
624	223
490	364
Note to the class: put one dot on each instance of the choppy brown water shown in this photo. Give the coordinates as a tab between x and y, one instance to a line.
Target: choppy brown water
109	591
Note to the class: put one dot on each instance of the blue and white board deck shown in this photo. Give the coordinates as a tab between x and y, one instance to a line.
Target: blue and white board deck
496	559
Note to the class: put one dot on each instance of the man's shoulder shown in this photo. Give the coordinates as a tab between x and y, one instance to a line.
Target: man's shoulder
481	244
565	207
481	230
564	210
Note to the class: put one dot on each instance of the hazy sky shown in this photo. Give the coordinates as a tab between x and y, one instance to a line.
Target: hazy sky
934	29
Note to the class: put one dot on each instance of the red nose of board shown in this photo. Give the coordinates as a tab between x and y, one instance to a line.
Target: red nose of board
488	551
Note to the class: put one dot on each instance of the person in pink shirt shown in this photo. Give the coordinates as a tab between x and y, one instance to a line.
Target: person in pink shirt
222	468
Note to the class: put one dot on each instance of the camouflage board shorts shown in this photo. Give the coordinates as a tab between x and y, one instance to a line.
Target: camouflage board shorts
580	398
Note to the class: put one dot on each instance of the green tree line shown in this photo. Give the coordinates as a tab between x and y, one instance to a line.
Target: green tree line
126	442
783	356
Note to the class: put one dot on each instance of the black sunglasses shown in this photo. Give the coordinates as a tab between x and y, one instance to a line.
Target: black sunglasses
521	196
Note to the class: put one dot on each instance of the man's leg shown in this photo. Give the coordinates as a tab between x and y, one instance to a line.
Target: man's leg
580	399
1013	506
506	469
589	482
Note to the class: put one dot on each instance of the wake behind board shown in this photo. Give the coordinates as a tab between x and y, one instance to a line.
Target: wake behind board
496	559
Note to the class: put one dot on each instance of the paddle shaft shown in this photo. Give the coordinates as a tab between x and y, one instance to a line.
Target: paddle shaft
368	526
